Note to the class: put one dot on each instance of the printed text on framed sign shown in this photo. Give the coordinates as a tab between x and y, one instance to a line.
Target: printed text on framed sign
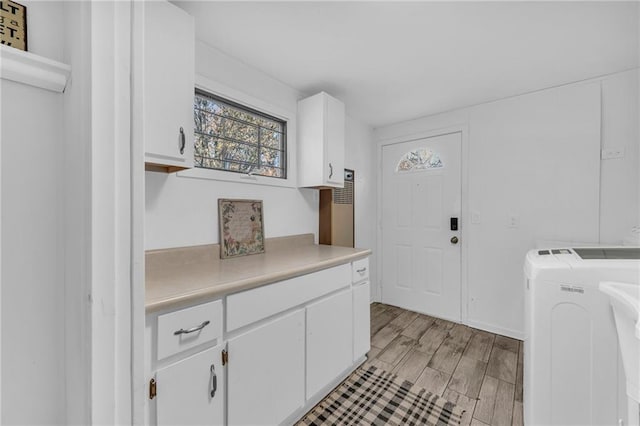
13	24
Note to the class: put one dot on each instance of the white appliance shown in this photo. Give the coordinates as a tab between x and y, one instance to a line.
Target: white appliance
572	370
625	300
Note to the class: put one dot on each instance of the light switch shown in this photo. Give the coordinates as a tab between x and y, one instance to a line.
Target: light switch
475	216
610	153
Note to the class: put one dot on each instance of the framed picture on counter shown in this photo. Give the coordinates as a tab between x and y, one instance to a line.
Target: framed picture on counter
241	227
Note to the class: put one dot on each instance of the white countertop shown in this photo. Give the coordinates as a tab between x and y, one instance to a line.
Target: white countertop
190	275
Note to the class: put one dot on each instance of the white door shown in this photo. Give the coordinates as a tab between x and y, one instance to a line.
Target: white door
421	191
329	340
265	373
191	391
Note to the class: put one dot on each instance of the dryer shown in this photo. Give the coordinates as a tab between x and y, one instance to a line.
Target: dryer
572	370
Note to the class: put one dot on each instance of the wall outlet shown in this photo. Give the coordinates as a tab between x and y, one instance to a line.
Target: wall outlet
610	153
513	221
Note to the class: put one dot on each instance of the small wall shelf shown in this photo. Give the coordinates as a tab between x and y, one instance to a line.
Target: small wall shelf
34	70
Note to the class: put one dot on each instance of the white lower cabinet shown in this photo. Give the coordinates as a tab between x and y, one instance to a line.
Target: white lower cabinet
329	340
361	319
184	390
265	373
286	342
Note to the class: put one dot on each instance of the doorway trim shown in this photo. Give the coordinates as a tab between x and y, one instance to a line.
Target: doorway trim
463	129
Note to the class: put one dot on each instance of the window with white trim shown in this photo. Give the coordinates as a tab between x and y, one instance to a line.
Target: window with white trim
235	138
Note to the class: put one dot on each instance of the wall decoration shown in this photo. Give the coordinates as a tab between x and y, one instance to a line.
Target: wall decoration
419	159
241	227
13	24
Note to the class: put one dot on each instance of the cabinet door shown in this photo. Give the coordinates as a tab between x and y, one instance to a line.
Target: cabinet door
334	141
168	79
329	340
184	390
361	320
266	372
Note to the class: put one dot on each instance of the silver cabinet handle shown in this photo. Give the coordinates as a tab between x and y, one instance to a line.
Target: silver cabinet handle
330	170
182	141
214	381
361	270
191	330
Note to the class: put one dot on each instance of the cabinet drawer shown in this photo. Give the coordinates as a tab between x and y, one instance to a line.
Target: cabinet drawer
253	305
360	270
187	328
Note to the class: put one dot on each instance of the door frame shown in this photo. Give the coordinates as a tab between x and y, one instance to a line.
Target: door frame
463	129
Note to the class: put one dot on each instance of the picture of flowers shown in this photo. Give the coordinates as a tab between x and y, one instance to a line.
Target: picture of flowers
241	227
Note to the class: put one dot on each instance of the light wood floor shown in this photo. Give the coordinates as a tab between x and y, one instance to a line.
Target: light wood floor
479	371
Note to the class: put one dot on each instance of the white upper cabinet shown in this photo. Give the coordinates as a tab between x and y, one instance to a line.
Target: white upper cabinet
321	129
165	80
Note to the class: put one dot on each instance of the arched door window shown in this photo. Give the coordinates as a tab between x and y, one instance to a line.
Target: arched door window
419	159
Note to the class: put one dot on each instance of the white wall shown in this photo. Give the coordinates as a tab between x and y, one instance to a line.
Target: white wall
535	157
360	155
65	220
32	256
517	129
45	37
33	367
182	211
620	184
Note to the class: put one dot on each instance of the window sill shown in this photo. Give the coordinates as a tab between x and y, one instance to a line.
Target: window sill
33	70
218	175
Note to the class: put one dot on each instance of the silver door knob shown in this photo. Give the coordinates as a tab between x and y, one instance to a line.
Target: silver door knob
454	240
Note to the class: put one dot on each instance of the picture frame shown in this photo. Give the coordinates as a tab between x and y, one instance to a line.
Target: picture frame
13	25
241	225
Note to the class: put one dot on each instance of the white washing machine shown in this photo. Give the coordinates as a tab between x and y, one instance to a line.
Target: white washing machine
572	370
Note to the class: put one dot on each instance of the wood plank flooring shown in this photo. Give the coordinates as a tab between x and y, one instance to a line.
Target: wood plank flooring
479	371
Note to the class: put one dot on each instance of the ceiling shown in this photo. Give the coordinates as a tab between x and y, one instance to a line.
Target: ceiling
394	61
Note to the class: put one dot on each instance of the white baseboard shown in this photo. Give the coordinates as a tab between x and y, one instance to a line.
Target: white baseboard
515	334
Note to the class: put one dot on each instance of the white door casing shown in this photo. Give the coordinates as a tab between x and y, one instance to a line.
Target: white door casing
421	267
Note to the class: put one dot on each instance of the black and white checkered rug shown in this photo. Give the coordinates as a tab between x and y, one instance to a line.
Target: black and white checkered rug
372	396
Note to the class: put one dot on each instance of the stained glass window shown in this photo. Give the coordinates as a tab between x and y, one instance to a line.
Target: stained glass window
419	159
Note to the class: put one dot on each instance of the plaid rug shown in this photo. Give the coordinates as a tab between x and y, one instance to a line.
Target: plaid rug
372	396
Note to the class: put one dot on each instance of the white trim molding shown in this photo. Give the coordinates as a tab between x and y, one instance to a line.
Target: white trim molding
226	92
33	70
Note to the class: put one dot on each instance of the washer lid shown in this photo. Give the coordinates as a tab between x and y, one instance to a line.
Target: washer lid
632	253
